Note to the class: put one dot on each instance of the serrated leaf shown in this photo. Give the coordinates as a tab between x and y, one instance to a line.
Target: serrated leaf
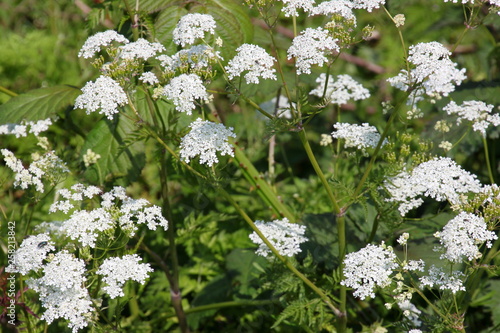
165	25
151	6
37	104
107	139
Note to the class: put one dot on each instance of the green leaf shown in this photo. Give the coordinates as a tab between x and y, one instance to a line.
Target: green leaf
38	104
165	25
150	6
107	139
247	266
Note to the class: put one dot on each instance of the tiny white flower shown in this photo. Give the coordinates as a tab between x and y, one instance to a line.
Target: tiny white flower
149	78
356	136
90	158
444	281
140	49
116	271
191	27
183	90
479	113
30	255
286	237
255	60
341	89
290	6
94	43
105	94
205	139
310	48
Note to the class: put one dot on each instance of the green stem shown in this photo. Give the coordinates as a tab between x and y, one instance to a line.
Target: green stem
221	305
287	263
488	163
7	91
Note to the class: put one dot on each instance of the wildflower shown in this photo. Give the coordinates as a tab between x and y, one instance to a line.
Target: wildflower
310	47
369	5
183	90
340	90
356	136
90	158
444	281
206	139
48	166
61	291
192	60
440	179
21	130
94	43
192	26
255	60
462	236
433	74
369	268
116	271
445	145
117	210
140	49
326	140
411	312
290	6
105	94
337	7
403	239
30	255
479	113
414	265
399	20
442	126
286	237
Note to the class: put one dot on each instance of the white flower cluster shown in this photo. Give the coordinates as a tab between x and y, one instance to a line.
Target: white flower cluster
183	90
90	158
461	237
48	167
21	130
286	237
140	49
94	43
369	268
30	255
309	48
205	139
356	136
440	178
433	74
62	292
117	209
444	281
414	265
369	5
338	7
255	60
290	6
116	271
192	26
340	90
479	113
105	94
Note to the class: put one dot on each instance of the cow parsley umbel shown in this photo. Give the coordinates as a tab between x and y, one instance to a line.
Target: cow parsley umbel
357	136
193	26
184	90
205	139
479	113
286	237
340	90
369	268
254	60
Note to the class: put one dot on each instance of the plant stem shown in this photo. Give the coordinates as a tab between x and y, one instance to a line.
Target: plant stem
488	163
228	304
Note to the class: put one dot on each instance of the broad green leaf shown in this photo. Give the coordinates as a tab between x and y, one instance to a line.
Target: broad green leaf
118	159
38	104
165	25
150	6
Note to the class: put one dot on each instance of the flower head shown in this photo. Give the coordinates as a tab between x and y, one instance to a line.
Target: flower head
479	113
338	7
183	90
22	130
30	255
356	136
205	139
140	49
461	237
341	89
286	237
94	43
255	60
444	281
369	268
310	47
105	94
290	6
192	26
440	179
116	271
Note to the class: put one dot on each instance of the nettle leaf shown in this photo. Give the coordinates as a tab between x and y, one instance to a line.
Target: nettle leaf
118	159
38	104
